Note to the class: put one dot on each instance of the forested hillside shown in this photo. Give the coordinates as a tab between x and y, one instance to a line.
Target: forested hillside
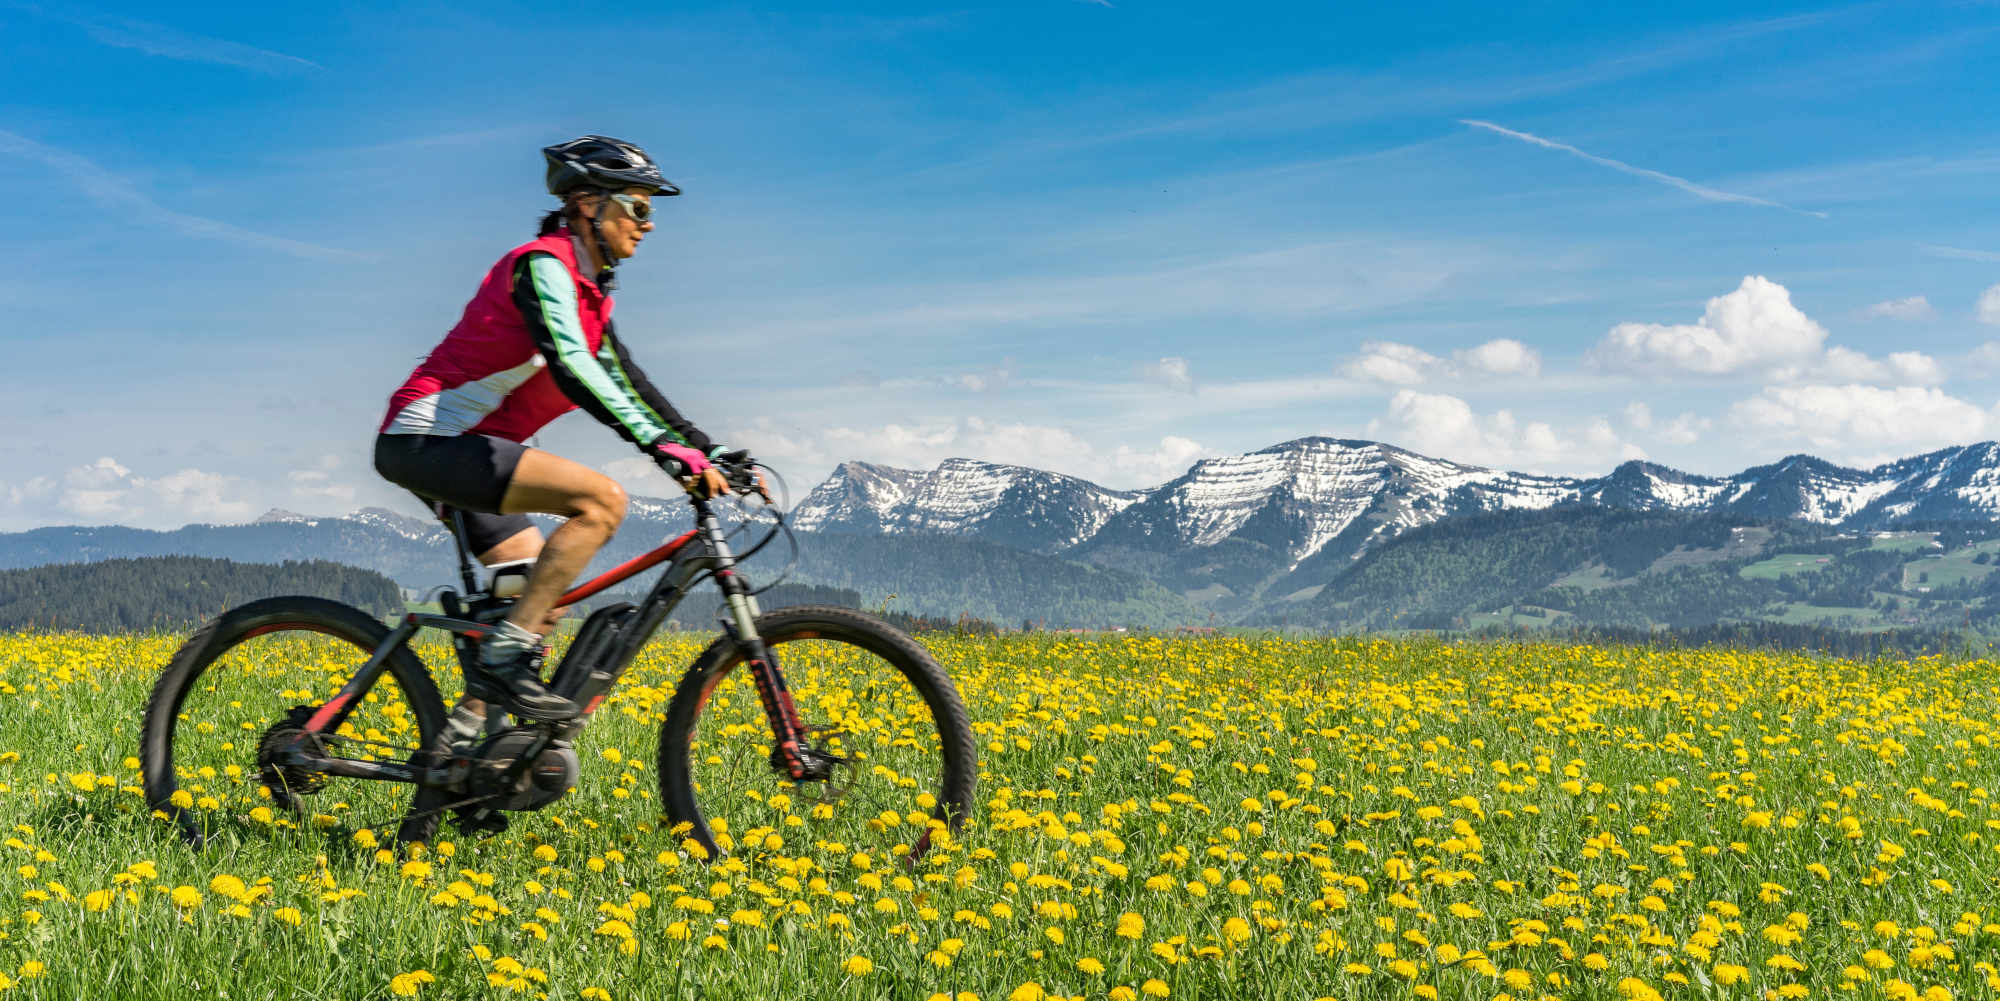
947	577
1435	576
173	592
1578	568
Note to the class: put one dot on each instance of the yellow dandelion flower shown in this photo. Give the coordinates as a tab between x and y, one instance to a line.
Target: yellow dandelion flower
407	984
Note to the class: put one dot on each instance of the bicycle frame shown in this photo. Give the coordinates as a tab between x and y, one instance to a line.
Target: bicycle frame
702	550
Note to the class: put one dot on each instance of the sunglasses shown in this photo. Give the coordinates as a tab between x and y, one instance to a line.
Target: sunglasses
640	211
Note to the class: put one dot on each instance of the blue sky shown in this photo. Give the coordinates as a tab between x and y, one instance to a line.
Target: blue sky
1103	238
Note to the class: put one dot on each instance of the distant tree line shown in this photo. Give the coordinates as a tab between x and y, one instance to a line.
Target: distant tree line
1836	642
700	609
174	592
1433	577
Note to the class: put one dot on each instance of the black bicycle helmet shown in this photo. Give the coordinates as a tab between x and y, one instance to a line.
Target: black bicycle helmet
602	162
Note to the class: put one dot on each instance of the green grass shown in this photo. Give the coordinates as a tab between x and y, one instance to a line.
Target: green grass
1903	542
1956	567
1590	578
1785	565
1276	816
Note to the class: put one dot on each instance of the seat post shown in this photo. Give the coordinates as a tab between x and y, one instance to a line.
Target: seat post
465	572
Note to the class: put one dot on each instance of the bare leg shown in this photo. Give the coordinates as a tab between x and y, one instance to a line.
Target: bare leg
522	545
594	505
525	544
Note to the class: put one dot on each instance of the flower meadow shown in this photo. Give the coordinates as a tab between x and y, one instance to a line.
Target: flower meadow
1158	818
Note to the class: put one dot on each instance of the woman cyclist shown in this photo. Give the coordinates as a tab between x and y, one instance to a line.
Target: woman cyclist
534	343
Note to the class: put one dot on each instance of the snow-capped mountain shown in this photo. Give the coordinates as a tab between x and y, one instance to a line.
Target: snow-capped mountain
1230	532
1010	505
858	497
1313	496
414	529
1293	500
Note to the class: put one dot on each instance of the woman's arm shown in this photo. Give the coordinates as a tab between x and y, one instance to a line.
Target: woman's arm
602	381
621	366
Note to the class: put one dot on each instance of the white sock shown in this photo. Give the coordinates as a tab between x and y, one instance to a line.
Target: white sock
506	643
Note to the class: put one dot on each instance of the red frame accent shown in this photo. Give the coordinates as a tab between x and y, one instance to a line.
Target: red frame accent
627	569
276	627
324	714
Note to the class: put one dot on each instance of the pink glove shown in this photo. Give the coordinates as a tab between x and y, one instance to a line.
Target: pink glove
679	460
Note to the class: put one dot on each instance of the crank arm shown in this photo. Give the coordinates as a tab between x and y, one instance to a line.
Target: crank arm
352	768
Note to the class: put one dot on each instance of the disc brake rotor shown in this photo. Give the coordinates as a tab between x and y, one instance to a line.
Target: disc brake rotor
840	773
287	781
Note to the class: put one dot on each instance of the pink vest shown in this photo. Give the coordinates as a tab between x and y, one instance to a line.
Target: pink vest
487	376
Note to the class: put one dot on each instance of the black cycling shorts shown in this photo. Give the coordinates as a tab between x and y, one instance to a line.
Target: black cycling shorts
468	473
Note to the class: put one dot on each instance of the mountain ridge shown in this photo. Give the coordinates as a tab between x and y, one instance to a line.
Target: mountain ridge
1230	535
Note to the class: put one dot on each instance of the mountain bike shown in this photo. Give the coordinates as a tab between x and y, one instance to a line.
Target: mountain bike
868	743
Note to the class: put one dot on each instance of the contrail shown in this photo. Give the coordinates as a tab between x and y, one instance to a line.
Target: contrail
108	189
1699	191
172	43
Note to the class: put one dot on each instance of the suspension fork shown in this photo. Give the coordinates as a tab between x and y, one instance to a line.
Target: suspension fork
788	731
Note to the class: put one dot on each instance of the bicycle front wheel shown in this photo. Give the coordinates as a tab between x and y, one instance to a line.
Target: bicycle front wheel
877	706
241	688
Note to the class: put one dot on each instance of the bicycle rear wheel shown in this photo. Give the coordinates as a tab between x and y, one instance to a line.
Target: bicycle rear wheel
874	700
242	685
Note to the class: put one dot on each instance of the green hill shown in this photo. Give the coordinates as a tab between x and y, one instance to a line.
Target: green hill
173	592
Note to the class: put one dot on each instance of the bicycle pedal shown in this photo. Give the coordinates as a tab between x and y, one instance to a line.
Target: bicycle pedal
475	822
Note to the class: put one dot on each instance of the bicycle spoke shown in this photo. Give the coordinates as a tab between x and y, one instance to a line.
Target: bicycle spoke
866	714
253	698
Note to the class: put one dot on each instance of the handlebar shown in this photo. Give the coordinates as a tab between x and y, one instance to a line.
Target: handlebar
738	470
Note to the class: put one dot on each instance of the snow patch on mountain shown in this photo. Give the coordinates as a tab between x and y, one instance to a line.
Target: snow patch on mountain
414	529
1300	496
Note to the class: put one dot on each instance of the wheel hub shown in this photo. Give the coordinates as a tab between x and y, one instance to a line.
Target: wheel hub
276	753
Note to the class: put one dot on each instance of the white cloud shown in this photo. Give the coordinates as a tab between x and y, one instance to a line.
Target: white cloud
1863	423
1989	306
1403	365
998	377
1172	372
1915	307
106	490
318	486
1446	427
1752	327
1682	430
1157	465
1502	357
1914	368
924	445
641	477
1685	429
1755	330
1395	364
1984	359
1844	365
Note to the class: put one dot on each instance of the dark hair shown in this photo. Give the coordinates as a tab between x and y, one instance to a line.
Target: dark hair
555	219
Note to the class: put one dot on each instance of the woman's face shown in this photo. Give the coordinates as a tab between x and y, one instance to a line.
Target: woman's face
615	222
